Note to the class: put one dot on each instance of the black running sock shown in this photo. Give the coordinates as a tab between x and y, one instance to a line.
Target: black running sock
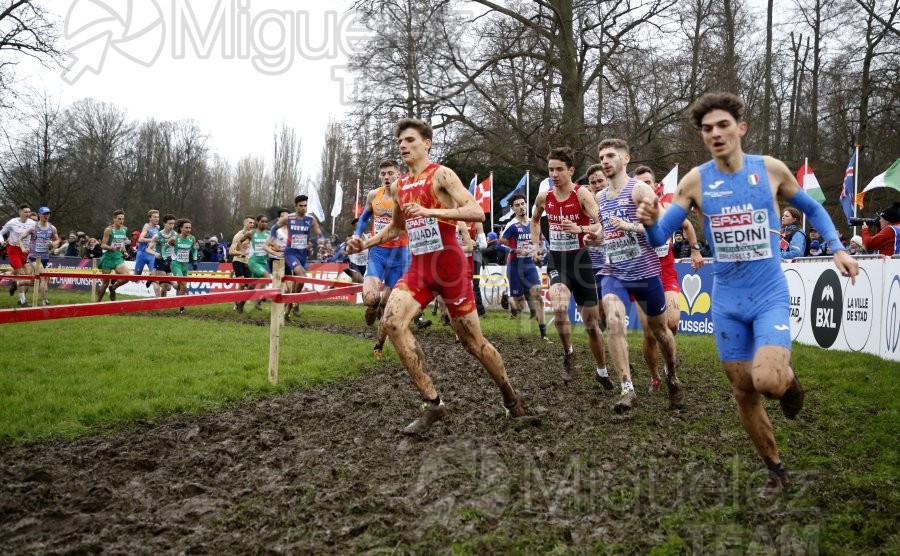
543	329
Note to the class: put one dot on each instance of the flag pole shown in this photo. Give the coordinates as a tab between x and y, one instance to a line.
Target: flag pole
855	181
527	193
803	186
491	177
356	204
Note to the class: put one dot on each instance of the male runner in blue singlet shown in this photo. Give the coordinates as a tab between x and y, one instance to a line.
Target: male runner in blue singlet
736	194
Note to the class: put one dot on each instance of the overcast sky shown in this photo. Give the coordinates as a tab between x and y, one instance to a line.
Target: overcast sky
237	67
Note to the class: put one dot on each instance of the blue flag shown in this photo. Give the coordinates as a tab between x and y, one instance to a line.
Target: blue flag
847	196
473	184
519	190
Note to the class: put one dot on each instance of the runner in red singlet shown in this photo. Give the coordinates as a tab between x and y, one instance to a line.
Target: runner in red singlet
432	199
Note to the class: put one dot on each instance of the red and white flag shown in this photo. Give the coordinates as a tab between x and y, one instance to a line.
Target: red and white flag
665	190
483	193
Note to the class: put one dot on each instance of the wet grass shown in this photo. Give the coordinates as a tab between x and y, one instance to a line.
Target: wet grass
654	482
71	377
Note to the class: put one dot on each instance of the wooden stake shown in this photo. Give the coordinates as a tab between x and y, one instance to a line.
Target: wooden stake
94	282
277	316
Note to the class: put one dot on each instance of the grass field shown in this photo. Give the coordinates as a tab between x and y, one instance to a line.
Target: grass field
68	378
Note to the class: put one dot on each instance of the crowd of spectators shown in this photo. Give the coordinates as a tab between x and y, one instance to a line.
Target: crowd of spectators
880	237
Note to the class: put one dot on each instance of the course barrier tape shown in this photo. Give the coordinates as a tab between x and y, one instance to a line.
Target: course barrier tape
52	312
191	277
31	314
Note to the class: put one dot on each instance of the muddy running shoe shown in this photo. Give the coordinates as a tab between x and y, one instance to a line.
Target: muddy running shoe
568	366
149	283
504	301
23	303
654	385
626	402
112	293
605	382
13	287
258	305
422	323
296	309
515	409
445	319
792	399
371	313
676	392
376	351
45	303
431	413
239	307
181	310
547	340
776	483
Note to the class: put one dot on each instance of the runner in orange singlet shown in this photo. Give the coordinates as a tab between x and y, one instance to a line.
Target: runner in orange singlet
432	199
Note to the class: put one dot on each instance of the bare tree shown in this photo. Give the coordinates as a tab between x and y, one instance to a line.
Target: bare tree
285	166
26	29
32	167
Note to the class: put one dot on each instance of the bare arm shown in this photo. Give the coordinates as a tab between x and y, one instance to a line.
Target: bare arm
104	242
465	209
539	205
468	245
143	237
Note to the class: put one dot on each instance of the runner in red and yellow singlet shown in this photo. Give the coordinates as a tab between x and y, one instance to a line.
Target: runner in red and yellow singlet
432	199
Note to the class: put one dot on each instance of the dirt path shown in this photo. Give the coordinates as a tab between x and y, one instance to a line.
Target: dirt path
327	471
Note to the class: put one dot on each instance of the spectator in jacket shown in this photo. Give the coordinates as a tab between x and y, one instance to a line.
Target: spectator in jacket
793	240
886	241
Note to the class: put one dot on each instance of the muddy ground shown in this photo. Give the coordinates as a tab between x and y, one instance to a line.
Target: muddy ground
328	471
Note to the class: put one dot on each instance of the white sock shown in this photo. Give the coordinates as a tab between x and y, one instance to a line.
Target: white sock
603	373
22	297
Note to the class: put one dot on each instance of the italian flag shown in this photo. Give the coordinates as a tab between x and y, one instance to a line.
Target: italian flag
807	180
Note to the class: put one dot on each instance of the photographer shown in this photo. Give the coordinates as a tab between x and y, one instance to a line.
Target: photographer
886	241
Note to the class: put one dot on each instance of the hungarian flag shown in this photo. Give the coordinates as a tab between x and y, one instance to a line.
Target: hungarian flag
807	180
483	194
665	190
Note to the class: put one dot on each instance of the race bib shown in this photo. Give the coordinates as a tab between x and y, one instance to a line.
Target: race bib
382	222
299	241
662	250
621	246
424	235
41	245
258	250
526	250
741	236
118	244
182	256
562	241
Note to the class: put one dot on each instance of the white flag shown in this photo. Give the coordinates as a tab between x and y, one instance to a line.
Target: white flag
546	185
314	205
338	200
670	184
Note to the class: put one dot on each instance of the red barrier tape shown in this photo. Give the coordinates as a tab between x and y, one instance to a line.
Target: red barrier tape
145	277
131	306
313	296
